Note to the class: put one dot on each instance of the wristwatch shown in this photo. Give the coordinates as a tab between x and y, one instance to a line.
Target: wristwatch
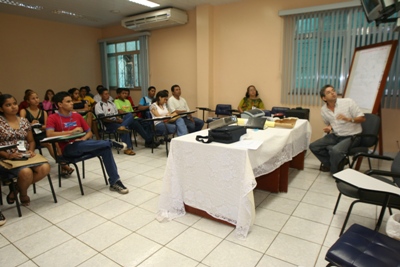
352	120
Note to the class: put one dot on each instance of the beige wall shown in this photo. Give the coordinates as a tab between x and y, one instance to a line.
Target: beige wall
221	51
41	55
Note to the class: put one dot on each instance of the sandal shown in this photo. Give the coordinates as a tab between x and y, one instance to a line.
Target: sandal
129	152
66	170
25	200
11	199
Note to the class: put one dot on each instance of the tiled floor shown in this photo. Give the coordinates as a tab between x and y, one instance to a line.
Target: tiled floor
103	228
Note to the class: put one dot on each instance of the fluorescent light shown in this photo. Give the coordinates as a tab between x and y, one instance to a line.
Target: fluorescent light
145	3
63	12
15	3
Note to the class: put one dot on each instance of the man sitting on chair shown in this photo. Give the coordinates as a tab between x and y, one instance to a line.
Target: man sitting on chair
66	122
343	119
178	104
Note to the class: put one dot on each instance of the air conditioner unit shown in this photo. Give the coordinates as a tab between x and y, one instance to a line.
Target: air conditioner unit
156	19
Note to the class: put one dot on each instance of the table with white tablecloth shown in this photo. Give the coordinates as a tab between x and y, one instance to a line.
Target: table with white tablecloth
220	178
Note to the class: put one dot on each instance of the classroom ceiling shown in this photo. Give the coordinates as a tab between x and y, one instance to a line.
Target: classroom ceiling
93	13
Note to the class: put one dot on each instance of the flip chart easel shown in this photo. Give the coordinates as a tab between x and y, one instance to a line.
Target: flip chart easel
369	69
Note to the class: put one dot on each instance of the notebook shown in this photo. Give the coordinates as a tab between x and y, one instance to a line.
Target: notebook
256	123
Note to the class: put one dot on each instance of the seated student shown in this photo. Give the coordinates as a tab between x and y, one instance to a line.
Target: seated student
47	103
146	101
24	104
251	100
97	97
82	107
13	130
159	109
68	122
37	116
141	127
84	96
107	108
178	104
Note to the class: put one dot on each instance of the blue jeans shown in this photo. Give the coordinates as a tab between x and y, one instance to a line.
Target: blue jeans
131	123
331	150
170	128
195	126
100	148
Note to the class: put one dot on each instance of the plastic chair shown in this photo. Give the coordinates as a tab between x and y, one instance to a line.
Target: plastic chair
370	197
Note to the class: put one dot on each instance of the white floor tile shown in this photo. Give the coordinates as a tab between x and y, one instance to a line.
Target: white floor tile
229	254
276	203
138	196
104	235
313	213
11	256
131	250
270	219
134	218
213	227
268	261
42	241
162	232
61	212
112	208
258	239
294	250
18	230
305	229
194	244
99	260
70	253
167	257
81	223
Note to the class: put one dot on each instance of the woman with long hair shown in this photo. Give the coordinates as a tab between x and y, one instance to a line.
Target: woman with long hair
159	109
47	104
17	130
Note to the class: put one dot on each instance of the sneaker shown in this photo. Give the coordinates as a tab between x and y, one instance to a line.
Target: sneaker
119	187
119	145
2	219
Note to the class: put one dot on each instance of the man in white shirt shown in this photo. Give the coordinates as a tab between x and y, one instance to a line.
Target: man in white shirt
343	119
97	97
178	104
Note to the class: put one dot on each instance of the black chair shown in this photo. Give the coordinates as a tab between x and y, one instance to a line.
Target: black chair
375	198
221	110
368	141
6	179
163	138
62	160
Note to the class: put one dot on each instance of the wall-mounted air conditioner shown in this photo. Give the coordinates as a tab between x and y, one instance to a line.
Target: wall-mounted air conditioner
156	19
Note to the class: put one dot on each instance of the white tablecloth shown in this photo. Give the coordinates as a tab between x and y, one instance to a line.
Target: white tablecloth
220	178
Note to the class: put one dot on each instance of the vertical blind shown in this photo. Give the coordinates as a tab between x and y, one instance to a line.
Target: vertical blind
318	49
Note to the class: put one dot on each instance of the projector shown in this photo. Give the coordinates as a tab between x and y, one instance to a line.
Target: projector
253	113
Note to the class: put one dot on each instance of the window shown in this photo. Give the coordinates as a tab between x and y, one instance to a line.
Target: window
123	64
319	47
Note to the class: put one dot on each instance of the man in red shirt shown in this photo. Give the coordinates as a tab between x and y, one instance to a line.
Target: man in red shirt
67	122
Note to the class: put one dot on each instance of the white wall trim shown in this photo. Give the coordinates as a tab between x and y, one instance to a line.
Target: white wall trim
287	12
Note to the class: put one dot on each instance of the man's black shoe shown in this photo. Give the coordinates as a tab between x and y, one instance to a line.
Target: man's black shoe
324	168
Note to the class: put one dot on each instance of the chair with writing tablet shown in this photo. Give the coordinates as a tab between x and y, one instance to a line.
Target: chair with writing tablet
391	177
7	179
62	160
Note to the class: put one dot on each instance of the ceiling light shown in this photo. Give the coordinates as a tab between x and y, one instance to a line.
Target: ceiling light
15	3
145	3
63	12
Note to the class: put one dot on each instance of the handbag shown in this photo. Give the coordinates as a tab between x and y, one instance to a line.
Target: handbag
225	134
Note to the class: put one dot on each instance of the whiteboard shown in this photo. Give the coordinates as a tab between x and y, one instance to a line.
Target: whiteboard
368	73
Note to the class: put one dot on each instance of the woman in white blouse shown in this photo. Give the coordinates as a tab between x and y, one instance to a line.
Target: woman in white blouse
168	126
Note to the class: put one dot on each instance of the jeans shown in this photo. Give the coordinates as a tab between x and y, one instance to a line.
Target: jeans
169	128
195	126
131	123
331	150
100	148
